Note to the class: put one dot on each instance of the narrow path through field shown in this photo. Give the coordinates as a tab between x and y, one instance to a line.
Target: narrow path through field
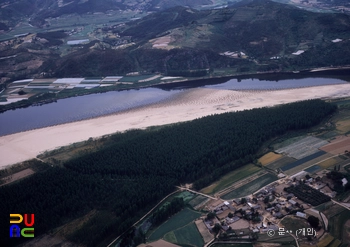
196	192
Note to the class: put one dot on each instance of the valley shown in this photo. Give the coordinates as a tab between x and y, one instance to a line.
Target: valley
175	123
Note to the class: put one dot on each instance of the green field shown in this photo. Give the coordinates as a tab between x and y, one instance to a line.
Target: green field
307	164
186	196
231	178
197	200
185	235
179	220
250	187
280	162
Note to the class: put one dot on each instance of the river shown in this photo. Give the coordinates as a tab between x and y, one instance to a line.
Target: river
95	105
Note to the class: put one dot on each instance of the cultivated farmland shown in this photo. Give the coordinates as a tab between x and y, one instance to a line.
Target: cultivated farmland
197	200
231	178
304	165
343	126
285	160
326	240
337	146
303	160
313	169
268	158
303	148
307	164
179	220
206	235
186	235
250	187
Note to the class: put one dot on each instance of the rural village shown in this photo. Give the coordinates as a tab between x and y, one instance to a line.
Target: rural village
296	207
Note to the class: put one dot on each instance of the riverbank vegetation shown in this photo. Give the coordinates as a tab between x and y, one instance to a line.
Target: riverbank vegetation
123	180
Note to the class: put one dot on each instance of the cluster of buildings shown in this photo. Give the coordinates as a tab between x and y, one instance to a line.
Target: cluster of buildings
259	213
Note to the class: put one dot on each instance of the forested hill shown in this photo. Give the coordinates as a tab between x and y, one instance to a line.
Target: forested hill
13	11
263	36
125	179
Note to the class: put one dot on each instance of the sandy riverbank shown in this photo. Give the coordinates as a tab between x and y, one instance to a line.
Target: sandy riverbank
188	105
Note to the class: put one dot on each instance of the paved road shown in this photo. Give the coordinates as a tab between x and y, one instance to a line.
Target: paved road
344	205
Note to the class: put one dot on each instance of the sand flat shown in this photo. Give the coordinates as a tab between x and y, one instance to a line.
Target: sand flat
188	105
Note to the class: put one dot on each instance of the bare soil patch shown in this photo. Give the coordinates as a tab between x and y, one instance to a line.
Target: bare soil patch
18	175
241	224
337	146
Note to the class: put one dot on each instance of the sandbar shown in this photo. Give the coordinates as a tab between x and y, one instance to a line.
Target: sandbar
187	105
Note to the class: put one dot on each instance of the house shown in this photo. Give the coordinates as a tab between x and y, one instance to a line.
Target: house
292	202
269	209
301	215
256	207
278	215
237	201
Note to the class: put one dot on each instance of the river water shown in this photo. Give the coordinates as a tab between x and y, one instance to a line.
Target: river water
95	105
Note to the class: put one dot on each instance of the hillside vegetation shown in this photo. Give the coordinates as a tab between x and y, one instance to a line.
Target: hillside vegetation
262	34
13	11
247	37
126	178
